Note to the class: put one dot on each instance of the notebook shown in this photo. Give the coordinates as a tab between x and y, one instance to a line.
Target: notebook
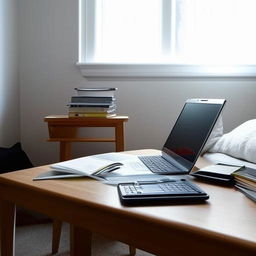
187	138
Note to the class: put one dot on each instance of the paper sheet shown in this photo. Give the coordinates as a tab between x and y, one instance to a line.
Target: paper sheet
222	169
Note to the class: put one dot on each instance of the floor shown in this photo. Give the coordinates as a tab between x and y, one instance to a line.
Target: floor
35	240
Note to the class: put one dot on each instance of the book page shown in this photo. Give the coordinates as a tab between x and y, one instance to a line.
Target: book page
131	165
221	169
83	165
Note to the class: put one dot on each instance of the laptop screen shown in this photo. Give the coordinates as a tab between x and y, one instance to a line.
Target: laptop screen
191	131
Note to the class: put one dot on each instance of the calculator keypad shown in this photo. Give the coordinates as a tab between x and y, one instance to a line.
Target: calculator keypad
161	188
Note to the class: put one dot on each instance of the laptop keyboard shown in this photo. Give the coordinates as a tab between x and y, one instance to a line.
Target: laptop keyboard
157	164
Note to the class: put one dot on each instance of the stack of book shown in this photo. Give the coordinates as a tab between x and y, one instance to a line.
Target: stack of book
93	102
243	177
246	182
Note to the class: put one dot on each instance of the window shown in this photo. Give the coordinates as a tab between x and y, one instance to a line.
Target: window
214	36
123	31
216	31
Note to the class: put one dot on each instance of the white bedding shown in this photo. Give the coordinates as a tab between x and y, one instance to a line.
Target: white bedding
239	143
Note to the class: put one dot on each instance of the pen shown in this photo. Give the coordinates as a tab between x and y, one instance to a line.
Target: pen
153	181
106	170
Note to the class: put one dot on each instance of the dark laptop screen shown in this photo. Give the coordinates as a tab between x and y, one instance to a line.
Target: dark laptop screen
191	131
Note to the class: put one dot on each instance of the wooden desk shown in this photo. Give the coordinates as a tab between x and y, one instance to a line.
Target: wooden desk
225	225
64	129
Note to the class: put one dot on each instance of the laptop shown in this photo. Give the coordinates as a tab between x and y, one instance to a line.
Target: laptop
179	154
187	138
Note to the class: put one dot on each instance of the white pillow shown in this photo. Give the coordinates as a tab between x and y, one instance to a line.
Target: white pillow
239	143
215	135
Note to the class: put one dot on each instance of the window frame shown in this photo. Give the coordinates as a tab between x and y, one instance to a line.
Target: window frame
157	70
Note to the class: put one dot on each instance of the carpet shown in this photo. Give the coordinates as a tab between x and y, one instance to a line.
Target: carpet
35	240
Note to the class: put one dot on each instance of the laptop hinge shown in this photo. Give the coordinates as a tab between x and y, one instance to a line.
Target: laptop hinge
185	168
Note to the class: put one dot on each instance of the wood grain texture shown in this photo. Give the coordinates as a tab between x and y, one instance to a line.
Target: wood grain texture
225	225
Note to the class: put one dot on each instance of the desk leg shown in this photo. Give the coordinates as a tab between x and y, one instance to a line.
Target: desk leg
132	250
65	151
65	154
7	228
56	234
119	134
80	241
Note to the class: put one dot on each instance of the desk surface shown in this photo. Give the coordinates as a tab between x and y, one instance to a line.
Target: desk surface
224	225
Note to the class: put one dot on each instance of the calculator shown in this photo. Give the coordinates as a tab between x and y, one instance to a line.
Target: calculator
176	190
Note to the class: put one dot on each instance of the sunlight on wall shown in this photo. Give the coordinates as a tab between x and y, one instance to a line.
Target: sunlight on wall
9	91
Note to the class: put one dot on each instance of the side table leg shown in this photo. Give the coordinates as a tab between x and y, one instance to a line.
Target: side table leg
80	241
7	228
119	134
65	150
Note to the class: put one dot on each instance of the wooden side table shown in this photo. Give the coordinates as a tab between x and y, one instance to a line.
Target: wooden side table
64	129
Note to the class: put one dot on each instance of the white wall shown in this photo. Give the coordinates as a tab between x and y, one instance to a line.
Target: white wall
9	90
48	53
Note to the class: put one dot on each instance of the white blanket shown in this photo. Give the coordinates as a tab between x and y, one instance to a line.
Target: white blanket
239	143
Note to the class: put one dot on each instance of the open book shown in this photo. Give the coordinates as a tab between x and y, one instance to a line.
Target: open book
109	168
